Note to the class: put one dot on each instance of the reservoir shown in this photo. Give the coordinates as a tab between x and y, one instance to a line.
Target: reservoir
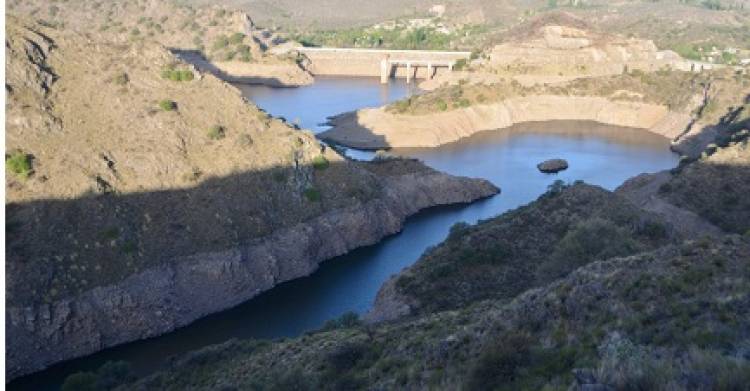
597	154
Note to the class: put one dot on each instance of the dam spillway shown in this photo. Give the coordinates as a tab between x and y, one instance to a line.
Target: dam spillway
381	63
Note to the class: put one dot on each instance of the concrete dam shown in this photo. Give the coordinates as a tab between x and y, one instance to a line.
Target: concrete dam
381	63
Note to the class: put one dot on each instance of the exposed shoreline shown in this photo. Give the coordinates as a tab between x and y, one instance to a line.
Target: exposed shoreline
379	129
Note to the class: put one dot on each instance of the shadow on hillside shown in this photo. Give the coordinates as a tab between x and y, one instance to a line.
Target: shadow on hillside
693	144
61	246
715	191
199	61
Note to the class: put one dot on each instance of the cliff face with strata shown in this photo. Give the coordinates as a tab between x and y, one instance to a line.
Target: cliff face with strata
183	289
128	217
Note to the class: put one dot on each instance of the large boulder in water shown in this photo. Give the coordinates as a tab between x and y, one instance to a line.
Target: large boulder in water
552	166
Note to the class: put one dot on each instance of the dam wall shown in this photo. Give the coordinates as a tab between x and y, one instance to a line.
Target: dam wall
368	62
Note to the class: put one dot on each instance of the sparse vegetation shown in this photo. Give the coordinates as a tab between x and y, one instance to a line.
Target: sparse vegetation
121	79
216	132
220	43
236	38
171	73
320	162
346	320
107	377
312	194
19	164
167	105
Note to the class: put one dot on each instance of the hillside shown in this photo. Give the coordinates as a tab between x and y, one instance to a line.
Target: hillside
143	192
581	289
522	249
571	226
125	184
215	38
688	27
669	319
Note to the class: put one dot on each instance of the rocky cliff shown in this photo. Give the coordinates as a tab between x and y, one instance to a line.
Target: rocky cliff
181	290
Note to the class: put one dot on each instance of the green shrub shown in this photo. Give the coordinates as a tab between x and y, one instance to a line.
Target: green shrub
402	105
556	187
113	373
588	241
245	54
121	79
312	194
236	38
499	362
441	105
186	75
19	163
167	105
320	162
347	320
177	74
458	230
81	381
654	230
111	233
216	132
220	43
166	72
109	376
345	357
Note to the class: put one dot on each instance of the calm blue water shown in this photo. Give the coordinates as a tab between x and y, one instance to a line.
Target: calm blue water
600	155
328	96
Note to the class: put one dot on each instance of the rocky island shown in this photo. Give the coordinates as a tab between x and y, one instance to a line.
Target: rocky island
552	166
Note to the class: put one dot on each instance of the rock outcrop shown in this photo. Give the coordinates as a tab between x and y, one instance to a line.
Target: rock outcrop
558	50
